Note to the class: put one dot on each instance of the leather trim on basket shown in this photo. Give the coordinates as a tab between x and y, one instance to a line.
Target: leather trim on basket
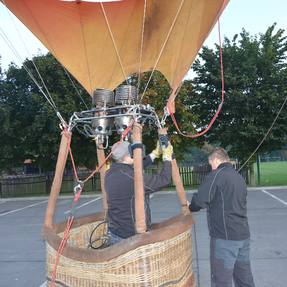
58	283
190	282
160	232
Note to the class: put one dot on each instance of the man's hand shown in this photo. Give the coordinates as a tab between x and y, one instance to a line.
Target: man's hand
193	206
157	152
163	140
167	152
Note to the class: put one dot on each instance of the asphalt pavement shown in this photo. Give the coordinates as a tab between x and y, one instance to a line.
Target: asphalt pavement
22	250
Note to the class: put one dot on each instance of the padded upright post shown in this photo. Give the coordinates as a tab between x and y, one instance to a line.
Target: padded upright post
57	181
177	181
138	181
101	160
179	187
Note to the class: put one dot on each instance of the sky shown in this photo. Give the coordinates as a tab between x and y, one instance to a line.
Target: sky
255	16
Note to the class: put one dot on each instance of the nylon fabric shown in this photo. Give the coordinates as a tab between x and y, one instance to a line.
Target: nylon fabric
76	33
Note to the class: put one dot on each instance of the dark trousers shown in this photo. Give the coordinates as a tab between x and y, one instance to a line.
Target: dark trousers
113	238
229	259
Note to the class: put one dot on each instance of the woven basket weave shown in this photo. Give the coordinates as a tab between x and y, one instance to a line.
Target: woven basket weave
162	263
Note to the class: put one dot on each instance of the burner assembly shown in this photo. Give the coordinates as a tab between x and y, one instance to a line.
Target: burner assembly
113	112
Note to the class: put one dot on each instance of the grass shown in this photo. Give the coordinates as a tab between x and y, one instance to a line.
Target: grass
272	173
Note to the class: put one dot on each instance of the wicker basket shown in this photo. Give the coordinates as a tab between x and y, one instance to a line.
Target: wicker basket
161	257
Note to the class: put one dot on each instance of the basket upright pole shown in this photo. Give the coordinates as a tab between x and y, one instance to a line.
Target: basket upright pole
101	160
57	181
179	187
177	181
138	181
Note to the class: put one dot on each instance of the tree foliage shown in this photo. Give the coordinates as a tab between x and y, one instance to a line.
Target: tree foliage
255	73
32	129
32	126
157	95
255	70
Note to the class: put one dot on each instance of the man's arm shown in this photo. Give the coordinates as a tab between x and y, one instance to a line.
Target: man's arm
193	204
147	161
154	182
205	194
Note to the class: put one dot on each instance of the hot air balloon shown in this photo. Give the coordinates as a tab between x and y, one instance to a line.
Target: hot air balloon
102	44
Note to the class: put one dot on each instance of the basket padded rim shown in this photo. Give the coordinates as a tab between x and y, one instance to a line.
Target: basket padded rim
160	232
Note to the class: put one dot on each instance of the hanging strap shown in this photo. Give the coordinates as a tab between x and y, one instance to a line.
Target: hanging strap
171	106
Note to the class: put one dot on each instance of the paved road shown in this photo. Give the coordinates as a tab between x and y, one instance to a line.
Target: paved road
22	250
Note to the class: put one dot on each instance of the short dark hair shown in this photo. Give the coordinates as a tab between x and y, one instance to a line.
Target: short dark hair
219	153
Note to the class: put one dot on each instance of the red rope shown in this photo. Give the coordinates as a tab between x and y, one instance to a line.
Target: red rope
76	198
98	168
124	134
220	105
71	156
61	249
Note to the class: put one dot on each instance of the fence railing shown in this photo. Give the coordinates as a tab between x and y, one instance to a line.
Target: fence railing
32	185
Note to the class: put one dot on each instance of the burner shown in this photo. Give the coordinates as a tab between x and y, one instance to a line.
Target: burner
126	95
103	98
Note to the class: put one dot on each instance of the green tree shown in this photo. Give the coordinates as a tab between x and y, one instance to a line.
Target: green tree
5	144
34	128
255	72
157	95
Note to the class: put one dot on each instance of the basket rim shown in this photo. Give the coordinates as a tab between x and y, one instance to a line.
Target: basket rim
160	232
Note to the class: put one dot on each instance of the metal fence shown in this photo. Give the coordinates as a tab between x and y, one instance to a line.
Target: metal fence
31	185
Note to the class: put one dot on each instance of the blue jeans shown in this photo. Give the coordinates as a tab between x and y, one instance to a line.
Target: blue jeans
113	238
229	259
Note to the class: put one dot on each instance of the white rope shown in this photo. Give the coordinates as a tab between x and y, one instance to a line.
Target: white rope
85	46
113	40
73	84
142	42
267	133
27	51
17	55
34	64
49	97
163	47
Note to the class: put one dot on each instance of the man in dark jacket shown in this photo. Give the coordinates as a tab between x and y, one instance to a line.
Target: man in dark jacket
119	185
224	194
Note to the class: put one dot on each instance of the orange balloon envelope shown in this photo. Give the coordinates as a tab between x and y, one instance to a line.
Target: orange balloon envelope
103	42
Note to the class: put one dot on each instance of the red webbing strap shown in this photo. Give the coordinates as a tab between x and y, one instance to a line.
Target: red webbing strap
75	200
61	249
171	109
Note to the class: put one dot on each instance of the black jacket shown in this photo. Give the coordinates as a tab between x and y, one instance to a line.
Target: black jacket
119	185
224	194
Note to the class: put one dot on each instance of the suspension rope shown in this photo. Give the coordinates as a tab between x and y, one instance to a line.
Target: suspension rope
32	60
266	134
15	52
53	53
220	105
49	99
163	47
85	46
114	42
73	84
26	49
77	196
142	44
47	96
